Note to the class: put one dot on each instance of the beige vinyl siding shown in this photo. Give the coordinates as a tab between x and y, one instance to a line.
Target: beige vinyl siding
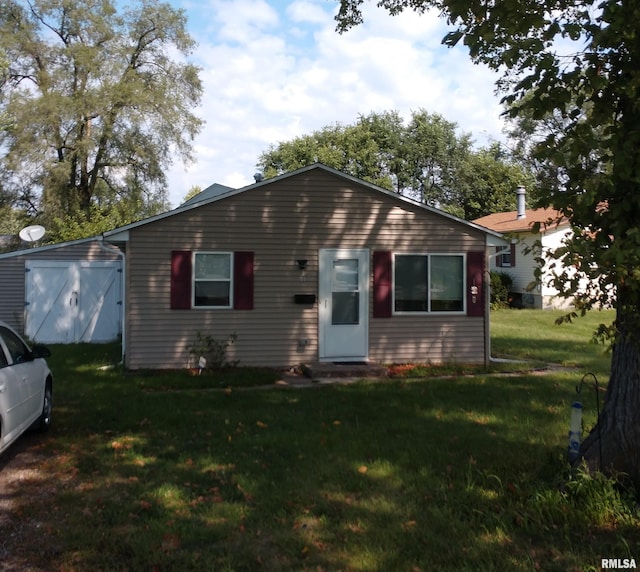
434	339
282	222
12	297
12	274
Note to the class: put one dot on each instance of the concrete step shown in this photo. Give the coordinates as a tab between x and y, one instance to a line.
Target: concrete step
334	370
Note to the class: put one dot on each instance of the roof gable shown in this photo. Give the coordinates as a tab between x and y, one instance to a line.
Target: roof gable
213	191
122	232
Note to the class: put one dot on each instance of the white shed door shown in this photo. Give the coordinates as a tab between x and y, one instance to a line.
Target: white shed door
70	301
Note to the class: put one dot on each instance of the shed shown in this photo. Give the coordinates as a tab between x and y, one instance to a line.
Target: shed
311	265
63	293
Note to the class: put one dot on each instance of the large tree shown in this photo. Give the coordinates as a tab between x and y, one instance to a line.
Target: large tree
97	101
580	62
426	159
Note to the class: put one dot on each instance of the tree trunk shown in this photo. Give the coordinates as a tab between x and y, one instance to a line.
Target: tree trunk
613	446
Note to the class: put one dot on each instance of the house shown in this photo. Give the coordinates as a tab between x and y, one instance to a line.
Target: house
63	293
210	192
313	265
519	261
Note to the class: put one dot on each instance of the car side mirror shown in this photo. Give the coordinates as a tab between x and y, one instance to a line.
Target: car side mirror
40	351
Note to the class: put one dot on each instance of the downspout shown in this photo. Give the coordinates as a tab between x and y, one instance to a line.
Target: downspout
487	281
487	307
115	250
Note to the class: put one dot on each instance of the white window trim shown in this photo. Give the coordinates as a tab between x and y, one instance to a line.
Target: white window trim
429	312
194	280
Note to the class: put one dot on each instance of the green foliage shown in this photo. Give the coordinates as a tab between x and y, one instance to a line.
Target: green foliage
425	159
213	350
99	218
501	283
583	500
569	81
575	67
97	101
192	192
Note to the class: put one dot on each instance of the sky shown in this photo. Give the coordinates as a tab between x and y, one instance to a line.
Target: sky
275	70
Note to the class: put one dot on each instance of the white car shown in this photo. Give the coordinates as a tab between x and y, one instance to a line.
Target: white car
26	387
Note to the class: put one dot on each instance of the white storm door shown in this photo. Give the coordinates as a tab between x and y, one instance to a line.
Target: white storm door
344	305
52	299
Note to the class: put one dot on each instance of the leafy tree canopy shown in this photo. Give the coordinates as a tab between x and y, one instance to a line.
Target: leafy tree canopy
96	103
426	159
576	65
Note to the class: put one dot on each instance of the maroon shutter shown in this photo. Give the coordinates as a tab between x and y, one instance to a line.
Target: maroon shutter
243	280
475	284
180	280
513	255
382	283
499	256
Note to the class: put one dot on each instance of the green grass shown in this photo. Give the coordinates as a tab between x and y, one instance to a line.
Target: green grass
424	474
532	334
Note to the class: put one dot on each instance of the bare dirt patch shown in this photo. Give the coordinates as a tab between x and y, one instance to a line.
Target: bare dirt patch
27	491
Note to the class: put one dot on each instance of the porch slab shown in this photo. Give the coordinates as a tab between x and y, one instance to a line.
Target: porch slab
337	370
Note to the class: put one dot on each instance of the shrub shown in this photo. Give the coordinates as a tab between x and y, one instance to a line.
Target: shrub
501	284
214	351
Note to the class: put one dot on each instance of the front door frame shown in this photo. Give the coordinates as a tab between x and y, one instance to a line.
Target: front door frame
343	342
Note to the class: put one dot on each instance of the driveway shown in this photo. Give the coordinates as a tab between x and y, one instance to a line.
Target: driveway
25	490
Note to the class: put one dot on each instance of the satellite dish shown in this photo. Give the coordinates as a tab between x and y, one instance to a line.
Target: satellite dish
32	233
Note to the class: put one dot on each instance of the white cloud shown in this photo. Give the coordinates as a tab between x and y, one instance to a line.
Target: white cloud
305	11
271	75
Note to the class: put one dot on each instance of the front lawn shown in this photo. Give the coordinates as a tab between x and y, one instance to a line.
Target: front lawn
425	474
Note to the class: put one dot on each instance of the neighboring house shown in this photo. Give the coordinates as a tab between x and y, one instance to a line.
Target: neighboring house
519	261
311	265
210	192
63	293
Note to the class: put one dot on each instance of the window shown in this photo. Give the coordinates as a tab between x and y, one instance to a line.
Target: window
505	259
17	350
506	256
212	272
216	278
429	283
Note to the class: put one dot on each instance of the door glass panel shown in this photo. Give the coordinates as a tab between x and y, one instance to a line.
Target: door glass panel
345	275
345	297
345	308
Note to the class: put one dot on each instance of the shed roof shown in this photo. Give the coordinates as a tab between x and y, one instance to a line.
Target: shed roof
44	248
